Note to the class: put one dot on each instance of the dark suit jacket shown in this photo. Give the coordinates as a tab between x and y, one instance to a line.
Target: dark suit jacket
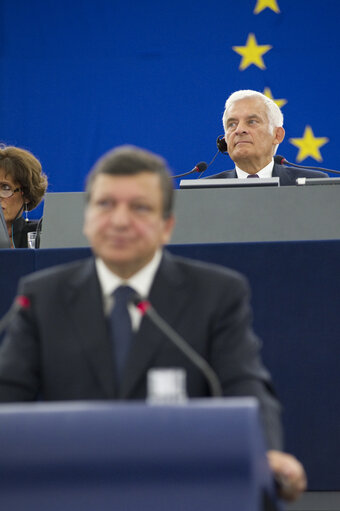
287	175
59	348
20	229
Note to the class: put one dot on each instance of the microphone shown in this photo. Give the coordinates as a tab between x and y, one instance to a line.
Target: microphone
39	228
281	160
20	302
146	309
200	167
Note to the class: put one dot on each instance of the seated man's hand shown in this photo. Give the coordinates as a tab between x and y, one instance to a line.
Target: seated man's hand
289	474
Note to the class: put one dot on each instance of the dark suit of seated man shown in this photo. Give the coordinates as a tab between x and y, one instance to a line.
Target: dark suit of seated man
253	126
65	345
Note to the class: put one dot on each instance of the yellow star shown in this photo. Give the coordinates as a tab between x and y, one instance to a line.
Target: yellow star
309	145
280	102
262	4
252	53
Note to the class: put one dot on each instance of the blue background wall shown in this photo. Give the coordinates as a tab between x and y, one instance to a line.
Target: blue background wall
79	77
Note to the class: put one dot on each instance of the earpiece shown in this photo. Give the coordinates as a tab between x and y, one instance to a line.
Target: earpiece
222	144
26	212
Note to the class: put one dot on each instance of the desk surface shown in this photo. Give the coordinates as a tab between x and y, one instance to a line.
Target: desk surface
218	215
287	213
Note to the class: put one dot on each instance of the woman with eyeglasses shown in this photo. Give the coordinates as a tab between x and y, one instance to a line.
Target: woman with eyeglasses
22	187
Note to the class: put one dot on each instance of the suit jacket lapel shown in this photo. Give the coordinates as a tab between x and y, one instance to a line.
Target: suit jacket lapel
168	297
87	314
228	174
284	174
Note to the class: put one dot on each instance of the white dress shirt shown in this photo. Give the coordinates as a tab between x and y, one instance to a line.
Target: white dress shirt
141	282
266	172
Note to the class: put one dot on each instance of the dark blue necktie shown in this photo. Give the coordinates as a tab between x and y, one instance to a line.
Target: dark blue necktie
253	175
121	328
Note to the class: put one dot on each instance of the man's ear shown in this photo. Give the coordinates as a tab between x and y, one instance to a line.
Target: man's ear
279	134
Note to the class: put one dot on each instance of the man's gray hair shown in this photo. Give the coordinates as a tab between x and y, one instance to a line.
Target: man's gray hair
275	116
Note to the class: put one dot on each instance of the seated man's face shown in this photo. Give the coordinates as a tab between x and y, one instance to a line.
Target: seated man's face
249	137
124	221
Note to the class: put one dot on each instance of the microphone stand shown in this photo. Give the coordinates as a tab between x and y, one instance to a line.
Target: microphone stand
145	307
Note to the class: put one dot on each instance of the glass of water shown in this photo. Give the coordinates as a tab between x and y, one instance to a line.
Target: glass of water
31	238
166	386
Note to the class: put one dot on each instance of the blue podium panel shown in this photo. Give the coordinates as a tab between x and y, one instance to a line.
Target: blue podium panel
295	297
206	455
50	257
14	264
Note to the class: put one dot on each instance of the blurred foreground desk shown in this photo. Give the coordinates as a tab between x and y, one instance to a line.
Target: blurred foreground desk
206	455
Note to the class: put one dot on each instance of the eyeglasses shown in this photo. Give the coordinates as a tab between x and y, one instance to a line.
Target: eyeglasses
6	191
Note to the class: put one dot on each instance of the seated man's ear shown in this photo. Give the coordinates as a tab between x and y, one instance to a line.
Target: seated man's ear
279	134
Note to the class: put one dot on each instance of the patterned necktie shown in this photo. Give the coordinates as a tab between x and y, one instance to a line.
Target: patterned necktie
120	326
253	175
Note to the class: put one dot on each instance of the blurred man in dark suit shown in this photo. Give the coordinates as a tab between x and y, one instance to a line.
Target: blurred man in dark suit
65	345
253	126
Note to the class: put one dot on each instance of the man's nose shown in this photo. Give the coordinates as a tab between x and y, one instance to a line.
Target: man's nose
241	127
120	215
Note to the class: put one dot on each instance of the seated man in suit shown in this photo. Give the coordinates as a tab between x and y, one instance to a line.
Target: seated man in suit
82	338
253	126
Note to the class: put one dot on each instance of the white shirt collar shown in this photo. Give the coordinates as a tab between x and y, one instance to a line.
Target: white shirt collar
263	173
141	281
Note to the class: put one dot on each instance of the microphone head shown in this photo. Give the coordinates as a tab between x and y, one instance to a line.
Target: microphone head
201	166
280	160
23	302
141	303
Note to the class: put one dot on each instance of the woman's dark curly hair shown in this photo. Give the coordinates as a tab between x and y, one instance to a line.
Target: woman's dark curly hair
24	169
